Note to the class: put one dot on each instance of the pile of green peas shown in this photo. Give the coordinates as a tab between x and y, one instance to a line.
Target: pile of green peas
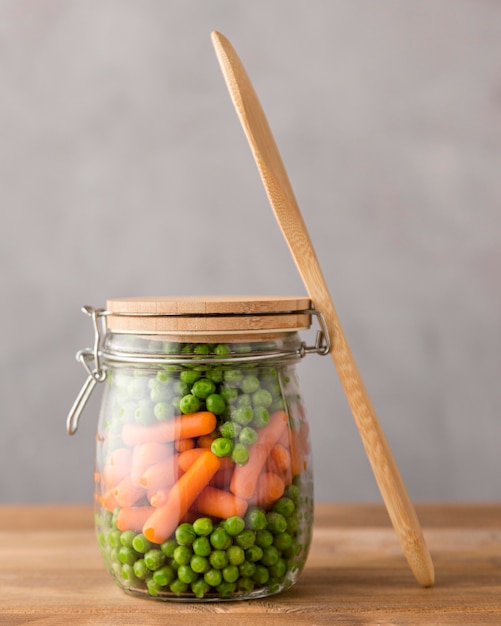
265	550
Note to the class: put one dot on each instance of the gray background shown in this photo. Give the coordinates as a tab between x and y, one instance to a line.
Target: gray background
124	171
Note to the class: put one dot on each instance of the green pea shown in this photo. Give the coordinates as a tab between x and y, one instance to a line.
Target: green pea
244	400
246	539
248	436
278	569
230	573
164	576
270	555
203	526
262	397
178	587
140	569
242	415
229	394
226	589
189	376
202	388
245	584
213	577
182	555
276	522
293	492
153	587
264	538
189	404
240	454
128	574
261	416
154	559
127	555
215	403
247	569
163	411
256	518
202	349
141	544
144	414
215	374
261	575
230	430
234	525
126	538
285	506
250	384
222	349
254	554
218	559
185	534
292	524
222	447
200	588
282	541
186	574
200	564
220	539
201	546
159	393
233	377
168	547
236	555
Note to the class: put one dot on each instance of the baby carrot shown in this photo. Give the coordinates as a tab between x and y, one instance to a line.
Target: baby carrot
144	455
126	493
113	474
270	487
222	477
299	449
280	457
162	475
187	458
163	521
181	427
108	500
244	479
120	456
184	444
205	441
219	503
133	517
157	497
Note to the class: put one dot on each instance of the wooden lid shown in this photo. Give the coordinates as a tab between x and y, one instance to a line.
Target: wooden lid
208	314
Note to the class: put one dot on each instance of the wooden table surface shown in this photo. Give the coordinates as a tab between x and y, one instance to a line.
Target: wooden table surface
51	573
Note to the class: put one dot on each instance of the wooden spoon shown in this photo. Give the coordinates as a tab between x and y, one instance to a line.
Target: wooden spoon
286	209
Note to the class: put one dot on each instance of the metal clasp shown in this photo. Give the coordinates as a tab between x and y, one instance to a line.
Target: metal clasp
322	342
91	361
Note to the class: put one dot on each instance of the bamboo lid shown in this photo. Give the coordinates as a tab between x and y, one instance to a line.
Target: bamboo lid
208	314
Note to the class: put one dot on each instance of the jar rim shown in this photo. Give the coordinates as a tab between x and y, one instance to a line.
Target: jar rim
208	314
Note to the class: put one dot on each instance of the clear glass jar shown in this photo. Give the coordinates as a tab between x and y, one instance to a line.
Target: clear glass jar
203	476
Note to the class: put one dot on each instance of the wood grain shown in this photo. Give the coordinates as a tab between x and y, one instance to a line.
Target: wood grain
51	573
288	214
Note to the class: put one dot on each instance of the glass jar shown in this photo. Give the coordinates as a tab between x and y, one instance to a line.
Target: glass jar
203	477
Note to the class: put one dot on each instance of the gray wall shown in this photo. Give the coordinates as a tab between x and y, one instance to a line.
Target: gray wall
124	171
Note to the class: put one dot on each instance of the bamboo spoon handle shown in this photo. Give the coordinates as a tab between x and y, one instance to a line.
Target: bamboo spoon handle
286	209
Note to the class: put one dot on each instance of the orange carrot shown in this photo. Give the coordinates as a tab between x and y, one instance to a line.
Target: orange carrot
157	497
284	439
222	477
145	455
163	521
205	441
244	479
162	475
181	427
113	474
280	457
133	517
219	503
270	487
126	493
299	449
187	458
184	444
108	500
120	456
